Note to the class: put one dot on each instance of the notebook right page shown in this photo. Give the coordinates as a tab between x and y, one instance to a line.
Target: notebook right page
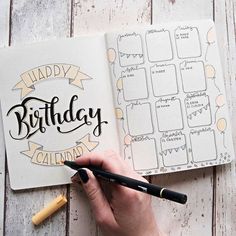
170	97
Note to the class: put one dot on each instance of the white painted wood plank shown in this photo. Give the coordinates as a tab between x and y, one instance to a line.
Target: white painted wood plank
81	221
40	20
175	10
4	22
93	17
225	222
35	21
4	36
22	205
195	218
96	15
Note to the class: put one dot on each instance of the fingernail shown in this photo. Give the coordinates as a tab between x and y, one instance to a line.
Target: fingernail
83	175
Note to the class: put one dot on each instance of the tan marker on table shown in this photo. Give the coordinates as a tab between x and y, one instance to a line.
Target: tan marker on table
49	209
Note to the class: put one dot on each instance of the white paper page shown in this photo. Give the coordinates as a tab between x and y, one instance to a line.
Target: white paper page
170	97
65	108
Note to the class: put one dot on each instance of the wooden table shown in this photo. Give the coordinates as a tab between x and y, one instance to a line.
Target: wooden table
211	209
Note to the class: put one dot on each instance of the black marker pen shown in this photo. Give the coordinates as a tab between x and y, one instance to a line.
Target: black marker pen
141	186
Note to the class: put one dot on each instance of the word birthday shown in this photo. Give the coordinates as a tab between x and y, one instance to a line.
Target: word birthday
31	120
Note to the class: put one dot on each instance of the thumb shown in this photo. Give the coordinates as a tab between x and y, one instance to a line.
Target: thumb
100	206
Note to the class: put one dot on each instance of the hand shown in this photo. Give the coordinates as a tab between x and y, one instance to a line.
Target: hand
117	210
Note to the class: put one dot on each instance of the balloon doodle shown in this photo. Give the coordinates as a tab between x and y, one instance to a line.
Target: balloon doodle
127	139
211	74
221	126
220	102
119	86
119	116
111	55
210	40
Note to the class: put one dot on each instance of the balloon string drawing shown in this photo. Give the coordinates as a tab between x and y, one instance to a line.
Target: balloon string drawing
119	86
210	40
211	74
127	140
119	116
111	55
221	126
220	102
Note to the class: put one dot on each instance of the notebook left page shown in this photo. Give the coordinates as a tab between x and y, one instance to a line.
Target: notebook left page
56	105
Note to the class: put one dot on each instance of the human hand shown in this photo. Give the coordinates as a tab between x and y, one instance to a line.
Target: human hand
117	210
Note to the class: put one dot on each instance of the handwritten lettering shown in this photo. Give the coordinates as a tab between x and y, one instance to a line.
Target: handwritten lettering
31	120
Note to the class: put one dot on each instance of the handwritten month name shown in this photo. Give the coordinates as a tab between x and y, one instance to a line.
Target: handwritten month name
35	115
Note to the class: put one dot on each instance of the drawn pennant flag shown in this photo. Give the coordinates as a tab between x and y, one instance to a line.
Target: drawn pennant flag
165	152
50	71
54	158
199	111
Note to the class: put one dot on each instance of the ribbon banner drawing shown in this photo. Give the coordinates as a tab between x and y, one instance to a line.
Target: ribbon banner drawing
53	158
50	71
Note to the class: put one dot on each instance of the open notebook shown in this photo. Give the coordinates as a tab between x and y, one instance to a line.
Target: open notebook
154	94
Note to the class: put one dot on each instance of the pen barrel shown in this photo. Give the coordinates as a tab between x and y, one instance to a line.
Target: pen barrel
161	192
141	186
174	196
167	194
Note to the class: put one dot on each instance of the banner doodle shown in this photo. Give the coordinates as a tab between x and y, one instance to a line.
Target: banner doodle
50	71
52	158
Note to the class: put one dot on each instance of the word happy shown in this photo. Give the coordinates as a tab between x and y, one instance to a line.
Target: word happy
31	120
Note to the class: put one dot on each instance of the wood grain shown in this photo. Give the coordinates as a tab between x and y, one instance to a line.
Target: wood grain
81	221
164	10
196	216
35	21
22	205
39	20
4	40
4	22
225	189
102	16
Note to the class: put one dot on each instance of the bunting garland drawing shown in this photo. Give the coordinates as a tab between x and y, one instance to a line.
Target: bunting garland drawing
127	55
171	150
199	111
